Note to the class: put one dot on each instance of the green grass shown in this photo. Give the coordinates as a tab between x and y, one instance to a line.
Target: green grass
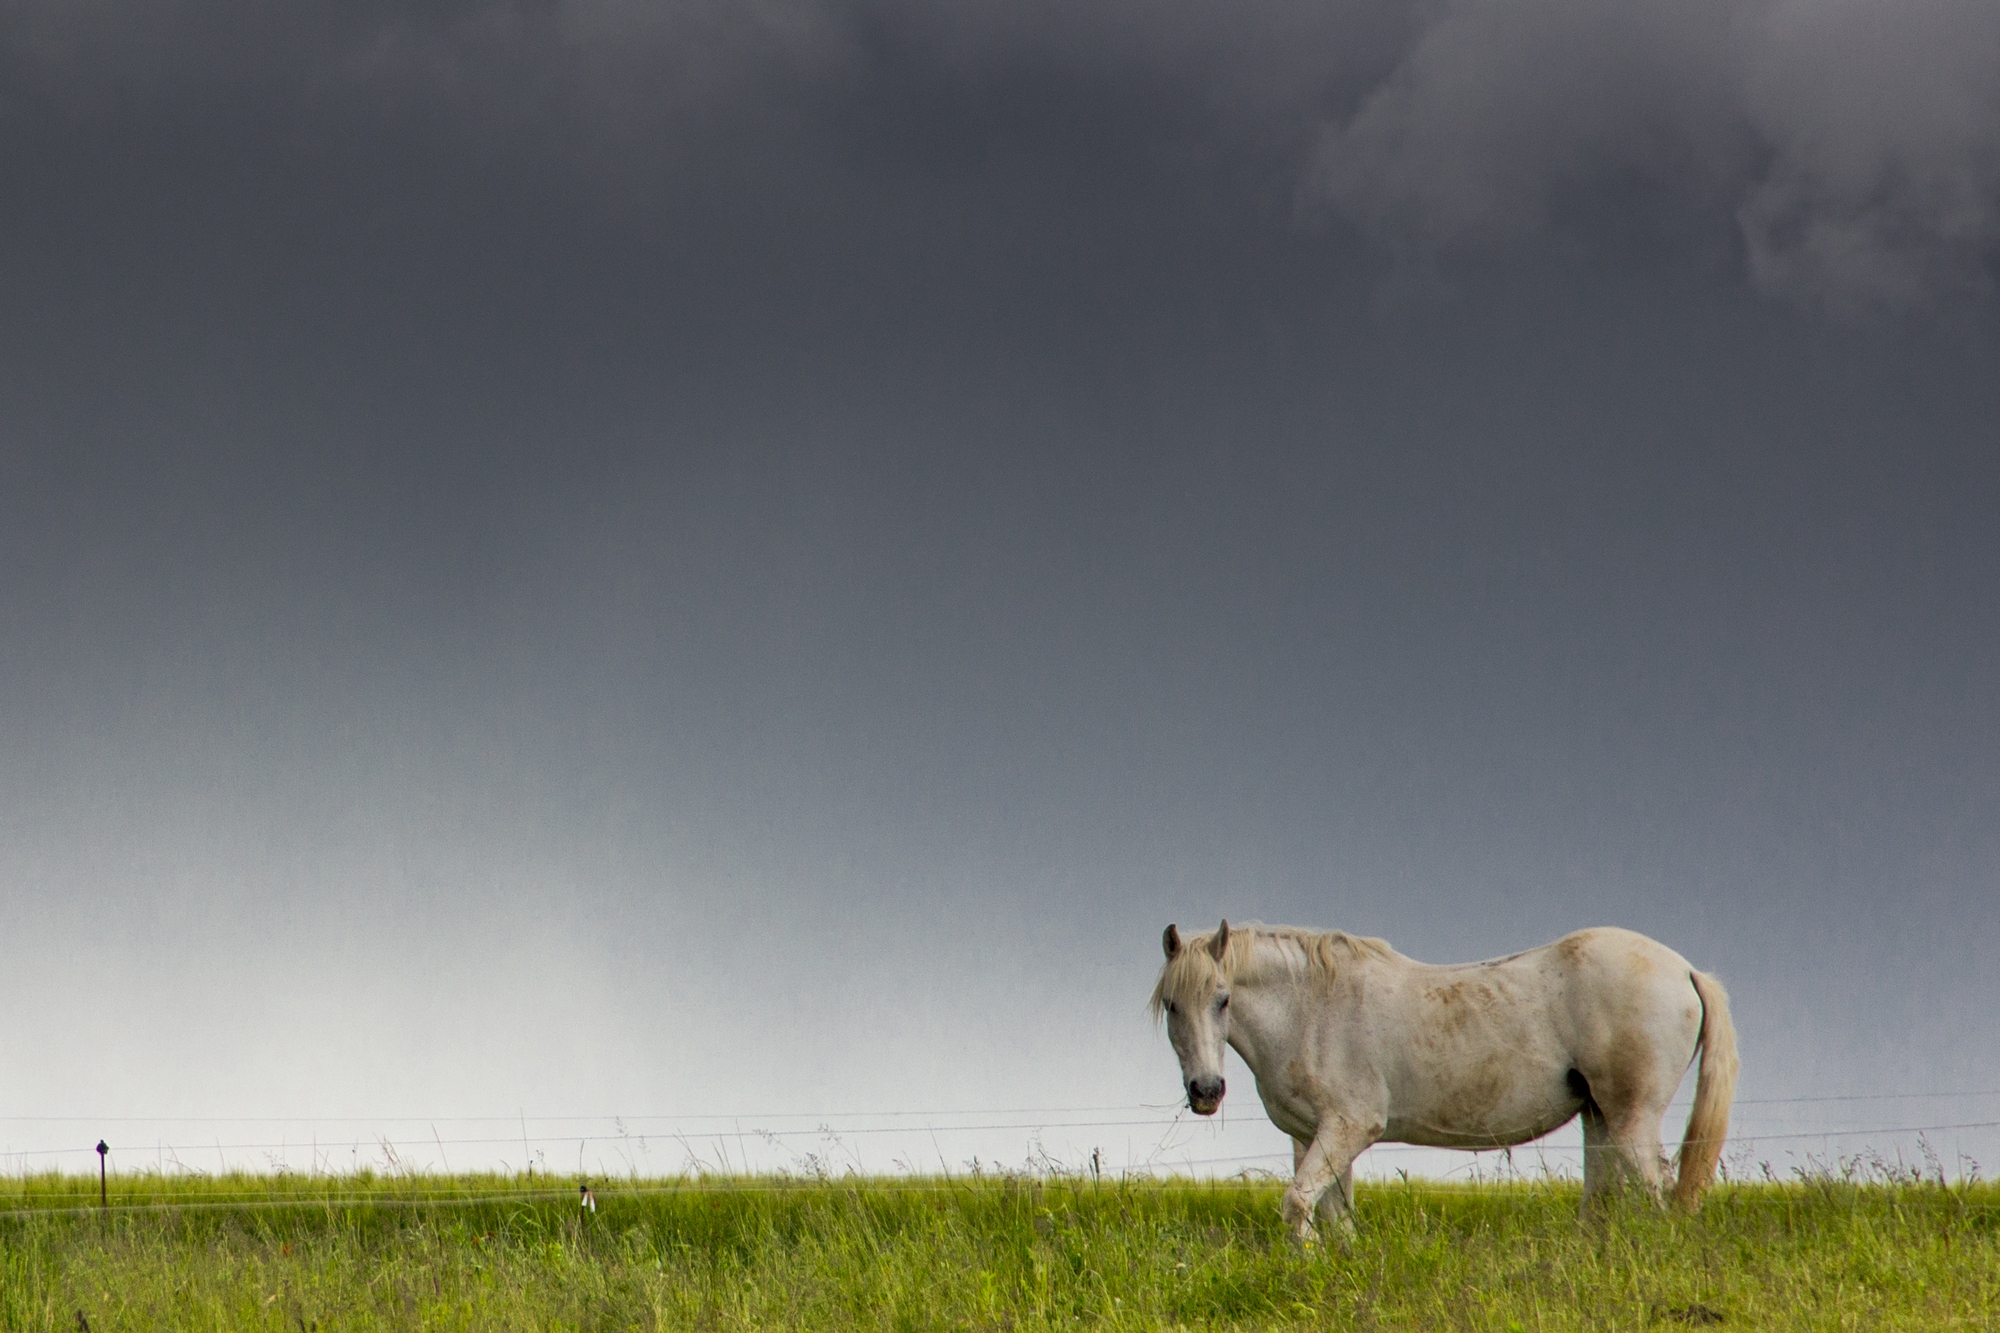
369	1252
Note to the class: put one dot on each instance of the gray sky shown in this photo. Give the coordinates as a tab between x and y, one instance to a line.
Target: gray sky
590	559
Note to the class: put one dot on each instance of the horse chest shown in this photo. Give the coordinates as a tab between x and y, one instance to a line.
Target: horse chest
1295	1098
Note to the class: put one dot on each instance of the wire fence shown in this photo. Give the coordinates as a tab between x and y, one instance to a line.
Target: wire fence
738	1116
787	1145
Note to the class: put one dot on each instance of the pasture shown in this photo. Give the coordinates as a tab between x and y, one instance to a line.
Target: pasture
493	1252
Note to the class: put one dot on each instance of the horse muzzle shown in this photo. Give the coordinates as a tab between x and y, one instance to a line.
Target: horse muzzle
1205	1095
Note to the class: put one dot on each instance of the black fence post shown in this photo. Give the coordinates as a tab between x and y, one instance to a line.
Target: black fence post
103	1199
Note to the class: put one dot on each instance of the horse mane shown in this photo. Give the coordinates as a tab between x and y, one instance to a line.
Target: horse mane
1191	974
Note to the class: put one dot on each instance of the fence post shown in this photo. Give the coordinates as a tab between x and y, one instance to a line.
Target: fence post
103	1199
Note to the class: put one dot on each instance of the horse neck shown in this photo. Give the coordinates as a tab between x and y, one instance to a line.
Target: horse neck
1263	1017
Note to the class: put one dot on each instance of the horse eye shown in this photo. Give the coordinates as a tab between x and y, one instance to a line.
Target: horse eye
1172	1008
1222	1003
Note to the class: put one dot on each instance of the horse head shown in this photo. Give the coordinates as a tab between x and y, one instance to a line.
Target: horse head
1193	995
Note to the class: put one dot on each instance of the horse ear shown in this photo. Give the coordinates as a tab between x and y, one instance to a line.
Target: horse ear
1171	941
1219	941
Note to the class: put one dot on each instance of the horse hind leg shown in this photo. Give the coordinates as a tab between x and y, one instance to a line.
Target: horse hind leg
1600	1161
1621	1156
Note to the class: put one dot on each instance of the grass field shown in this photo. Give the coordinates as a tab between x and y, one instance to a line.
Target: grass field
369	1252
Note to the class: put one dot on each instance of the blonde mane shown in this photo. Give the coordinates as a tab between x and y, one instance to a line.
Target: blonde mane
1191	975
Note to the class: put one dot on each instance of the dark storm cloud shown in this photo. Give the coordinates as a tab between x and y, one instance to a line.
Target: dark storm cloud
1857	146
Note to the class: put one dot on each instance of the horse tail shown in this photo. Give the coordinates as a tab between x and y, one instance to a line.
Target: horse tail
1714	1089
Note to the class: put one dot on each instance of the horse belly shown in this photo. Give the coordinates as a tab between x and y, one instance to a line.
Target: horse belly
1490	1109
1494	1086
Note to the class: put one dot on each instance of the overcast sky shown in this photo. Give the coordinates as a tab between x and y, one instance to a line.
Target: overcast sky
589	558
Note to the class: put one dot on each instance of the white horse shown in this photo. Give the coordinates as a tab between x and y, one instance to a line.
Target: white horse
1354	1044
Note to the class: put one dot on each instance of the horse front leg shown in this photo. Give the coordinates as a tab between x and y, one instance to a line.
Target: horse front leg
1336	1206
1323	1177
1337	1203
